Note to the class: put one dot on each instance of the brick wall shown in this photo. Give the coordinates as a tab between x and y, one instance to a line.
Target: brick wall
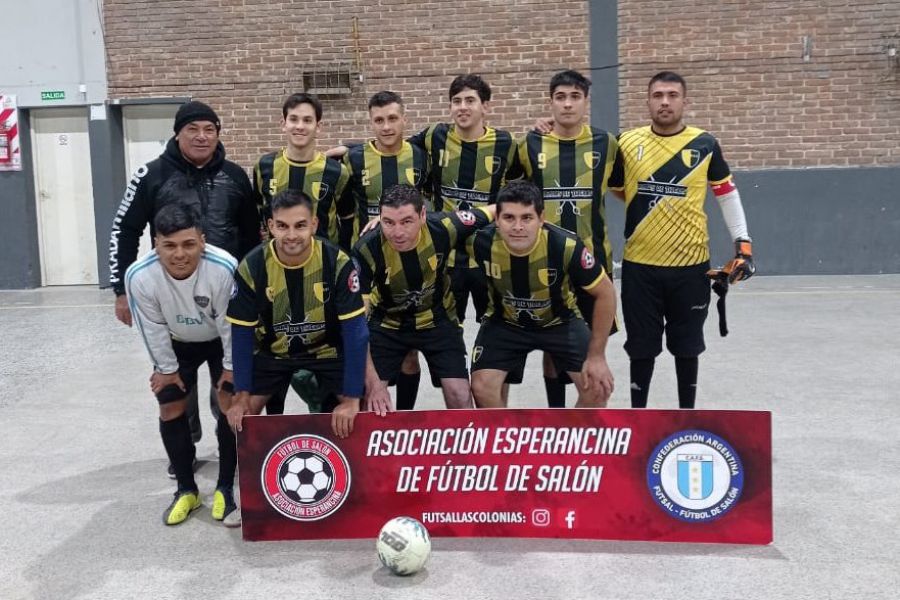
749	84
245	56
743	60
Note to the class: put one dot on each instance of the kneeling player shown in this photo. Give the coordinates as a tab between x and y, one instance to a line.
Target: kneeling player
403	266
297	306
178	295
530	267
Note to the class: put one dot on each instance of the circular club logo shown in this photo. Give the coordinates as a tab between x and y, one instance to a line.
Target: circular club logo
305	477
695	476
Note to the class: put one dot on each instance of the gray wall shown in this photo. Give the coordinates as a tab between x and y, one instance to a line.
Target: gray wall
803	222
20	266
108	175
604	65
58	47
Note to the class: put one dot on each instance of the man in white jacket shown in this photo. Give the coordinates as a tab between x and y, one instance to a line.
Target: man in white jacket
178	295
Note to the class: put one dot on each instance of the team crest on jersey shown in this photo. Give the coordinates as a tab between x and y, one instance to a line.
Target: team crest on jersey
413	175
320	291
592	159
690	158
413	298
547	276
270	294
476	353
492	164
353	281
467	217
202	301
587	259
305	477
319	189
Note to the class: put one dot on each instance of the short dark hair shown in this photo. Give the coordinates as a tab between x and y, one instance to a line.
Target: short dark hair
473	82
402	195
302	98
174	217
668	77
521	191
384	98
290	198
570	77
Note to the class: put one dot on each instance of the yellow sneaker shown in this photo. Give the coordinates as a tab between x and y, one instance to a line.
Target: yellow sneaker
223	503
182	506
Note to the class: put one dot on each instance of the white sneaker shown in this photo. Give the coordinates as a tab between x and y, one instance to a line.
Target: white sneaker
232	519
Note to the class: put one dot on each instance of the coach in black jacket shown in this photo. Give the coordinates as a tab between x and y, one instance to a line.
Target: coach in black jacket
193	171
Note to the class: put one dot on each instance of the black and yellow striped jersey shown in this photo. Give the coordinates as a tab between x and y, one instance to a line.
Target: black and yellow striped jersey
465	174
665	180
572	174
323	179
296	310
372	172
411	290
535	290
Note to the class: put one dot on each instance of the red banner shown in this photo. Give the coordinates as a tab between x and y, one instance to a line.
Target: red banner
653	475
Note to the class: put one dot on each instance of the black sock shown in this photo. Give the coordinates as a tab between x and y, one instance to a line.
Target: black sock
176	437
407	390
275	404
227	454
556	392
641	374
686	373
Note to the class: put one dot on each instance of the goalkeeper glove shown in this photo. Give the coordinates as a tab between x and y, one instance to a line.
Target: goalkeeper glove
741	267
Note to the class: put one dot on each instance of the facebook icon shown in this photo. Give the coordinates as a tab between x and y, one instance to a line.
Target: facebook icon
570	519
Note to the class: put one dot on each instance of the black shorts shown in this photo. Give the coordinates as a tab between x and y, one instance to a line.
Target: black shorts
442	346
463	281
191	355
271	375
502	346
670	299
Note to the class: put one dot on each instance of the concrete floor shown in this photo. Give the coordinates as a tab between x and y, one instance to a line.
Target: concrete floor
83	484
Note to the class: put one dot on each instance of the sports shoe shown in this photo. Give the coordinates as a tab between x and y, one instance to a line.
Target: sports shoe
171	469
222	504
232	519
182	506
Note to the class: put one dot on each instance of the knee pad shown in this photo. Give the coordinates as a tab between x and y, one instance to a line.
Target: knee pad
170	393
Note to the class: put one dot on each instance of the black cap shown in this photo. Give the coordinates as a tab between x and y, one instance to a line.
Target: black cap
195	111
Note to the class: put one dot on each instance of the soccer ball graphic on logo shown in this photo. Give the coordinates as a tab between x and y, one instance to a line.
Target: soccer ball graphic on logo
403	545
306	478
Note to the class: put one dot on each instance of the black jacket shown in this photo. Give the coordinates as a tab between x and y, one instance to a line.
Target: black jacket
220	191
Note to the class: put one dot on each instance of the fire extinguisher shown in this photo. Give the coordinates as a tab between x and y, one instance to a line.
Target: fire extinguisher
5	144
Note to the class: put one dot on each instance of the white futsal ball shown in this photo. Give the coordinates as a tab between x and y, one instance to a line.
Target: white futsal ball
403	545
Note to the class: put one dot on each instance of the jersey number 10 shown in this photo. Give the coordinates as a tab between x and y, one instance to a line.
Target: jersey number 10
492	269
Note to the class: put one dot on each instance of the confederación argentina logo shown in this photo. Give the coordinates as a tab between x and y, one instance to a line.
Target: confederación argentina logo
695	476
305	477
